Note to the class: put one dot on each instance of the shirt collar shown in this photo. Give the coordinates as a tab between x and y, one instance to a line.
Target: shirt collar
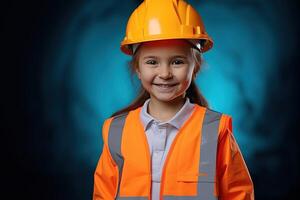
177	120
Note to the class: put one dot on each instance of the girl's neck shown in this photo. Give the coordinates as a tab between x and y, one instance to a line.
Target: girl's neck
164	111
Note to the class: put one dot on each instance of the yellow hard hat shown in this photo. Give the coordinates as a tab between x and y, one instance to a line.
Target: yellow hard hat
165	19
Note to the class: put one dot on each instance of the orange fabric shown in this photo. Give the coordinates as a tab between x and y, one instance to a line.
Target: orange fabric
181	168
234	181
180	173
106	174
136	176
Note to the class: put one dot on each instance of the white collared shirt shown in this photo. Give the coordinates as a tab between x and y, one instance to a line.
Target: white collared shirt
160	136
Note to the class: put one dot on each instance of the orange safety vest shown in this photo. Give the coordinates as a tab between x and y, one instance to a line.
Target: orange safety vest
190	171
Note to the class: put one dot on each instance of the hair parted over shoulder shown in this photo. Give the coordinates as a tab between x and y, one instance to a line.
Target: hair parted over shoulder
193	92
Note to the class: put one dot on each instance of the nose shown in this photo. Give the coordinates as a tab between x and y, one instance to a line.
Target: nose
165	72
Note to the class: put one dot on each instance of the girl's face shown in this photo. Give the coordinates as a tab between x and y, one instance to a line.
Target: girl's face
165	68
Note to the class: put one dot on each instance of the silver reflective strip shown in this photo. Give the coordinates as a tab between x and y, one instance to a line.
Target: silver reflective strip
208	151
208	154
114	143
208	147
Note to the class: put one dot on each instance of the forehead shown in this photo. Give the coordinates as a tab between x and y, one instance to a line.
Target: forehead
165	47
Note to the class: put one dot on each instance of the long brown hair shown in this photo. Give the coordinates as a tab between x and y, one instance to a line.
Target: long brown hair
192	92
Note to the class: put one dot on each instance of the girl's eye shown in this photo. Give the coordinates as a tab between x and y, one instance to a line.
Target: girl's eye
178	62
151	62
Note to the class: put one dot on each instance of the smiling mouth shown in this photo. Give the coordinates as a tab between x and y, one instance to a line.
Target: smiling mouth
165	85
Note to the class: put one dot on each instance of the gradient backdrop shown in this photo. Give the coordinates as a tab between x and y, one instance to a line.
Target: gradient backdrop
64	74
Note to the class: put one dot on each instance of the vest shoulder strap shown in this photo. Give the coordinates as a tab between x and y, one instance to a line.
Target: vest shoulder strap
114	143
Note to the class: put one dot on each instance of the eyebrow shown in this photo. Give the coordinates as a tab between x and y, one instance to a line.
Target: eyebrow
179	56
149	57
176	56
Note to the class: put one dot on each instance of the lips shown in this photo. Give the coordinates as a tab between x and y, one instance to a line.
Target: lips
165	85
165	88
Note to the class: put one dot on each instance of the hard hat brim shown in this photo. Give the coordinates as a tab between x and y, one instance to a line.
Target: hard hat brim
205	41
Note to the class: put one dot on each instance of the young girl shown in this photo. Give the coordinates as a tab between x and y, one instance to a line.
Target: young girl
168	144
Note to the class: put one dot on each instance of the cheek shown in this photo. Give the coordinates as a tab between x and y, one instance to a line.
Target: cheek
146	76
184	75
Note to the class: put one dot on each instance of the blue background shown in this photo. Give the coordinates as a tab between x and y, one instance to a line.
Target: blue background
71	75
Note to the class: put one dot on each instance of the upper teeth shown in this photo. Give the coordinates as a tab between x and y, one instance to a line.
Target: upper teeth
164	85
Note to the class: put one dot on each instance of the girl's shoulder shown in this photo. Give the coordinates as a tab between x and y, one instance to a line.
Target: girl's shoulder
225	120
211	111
122	115
117	121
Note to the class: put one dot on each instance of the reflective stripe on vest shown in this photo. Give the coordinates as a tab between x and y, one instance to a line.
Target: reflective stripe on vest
114	144
208	151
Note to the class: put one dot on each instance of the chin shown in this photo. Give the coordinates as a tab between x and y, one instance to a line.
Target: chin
164	97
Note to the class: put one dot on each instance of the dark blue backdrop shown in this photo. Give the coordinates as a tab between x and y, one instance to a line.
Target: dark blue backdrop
71	75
